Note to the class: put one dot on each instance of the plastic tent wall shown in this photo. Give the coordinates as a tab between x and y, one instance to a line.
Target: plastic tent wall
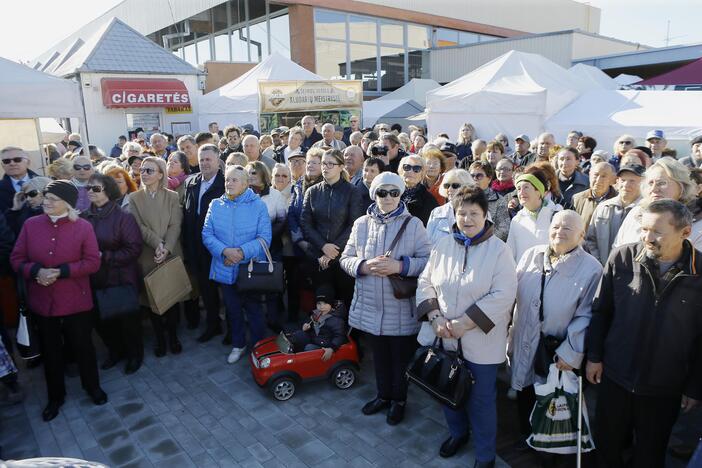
237	101
390	111
605	115
516	92
416	89
593	77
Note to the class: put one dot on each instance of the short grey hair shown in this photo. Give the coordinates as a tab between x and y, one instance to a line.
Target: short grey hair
682	217
460	175
185	138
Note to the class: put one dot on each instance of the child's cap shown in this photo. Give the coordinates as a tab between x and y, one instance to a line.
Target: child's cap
325	293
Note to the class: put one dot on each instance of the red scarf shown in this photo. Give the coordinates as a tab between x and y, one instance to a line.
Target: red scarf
502	187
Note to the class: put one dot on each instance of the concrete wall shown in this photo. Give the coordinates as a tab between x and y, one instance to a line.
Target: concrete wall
105	125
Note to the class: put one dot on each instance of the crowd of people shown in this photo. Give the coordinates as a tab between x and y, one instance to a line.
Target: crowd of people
510	242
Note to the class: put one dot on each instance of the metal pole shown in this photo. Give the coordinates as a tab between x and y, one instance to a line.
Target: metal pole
580	419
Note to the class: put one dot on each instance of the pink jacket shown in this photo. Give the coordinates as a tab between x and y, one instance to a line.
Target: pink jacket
71	247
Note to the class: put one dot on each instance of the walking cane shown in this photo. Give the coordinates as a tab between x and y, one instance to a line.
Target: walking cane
580	419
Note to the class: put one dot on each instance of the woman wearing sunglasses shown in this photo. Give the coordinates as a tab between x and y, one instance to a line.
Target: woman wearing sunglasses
416	196
82	170
621	145
389	323
442	218
120	243
159	216
27	203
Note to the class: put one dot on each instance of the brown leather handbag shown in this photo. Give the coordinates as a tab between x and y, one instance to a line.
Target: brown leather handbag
403	287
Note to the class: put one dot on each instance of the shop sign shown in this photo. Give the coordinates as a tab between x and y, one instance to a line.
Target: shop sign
291	96
143	92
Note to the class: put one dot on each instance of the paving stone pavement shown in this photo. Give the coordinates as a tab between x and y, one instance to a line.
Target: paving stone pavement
194	409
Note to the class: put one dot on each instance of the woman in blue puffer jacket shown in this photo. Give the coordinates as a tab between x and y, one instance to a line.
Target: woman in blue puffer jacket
233	226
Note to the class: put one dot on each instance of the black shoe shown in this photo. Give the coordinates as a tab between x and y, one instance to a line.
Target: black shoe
375	406
132	366
98	396
160	348
227	340
209	334
110	362
451	446
51	410
192	325
479	464
396	413
175	345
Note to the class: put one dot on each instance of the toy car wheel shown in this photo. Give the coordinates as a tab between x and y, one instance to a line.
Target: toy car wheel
344	377
283	388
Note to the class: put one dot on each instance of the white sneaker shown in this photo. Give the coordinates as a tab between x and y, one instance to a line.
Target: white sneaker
235	355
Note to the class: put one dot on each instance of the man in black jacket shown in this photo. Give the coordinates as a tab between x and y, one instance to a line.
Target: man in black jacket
645	338
15	163
200	190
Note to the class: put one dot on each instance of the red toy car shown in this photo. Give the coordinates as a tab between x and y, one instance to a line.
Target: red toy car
274	364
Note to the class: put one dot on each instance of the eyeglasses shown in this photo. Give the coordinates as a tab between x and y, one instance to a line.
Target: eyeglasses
478	175
409	167
94	188
12	160
504	169
659	184
627	142
284	176
32	193
328	164
147	170
382	193
82	167
454	186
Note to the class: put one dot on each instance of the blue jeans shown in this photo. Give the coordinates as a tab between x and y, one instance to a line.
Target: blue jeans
480	411
235	304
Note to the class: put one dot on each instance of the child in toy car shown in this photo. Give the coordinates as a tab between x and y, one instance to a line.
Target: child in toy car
327	326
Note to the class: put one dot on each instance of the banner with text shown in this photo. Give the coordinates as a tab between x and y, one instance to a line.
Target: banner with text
295	96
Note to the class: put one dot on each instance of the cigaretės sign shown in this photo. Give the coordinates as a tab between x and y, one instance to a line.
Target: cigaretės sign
143	92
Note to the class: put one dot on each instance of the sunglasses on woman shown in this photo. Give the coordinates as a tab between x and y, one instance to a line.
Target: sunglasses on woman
454	186
382	193
84	167
94	188
32	193
147	170
409	167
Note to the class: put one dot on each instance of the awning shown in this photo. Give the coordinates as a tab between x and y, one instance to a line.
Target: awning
143	92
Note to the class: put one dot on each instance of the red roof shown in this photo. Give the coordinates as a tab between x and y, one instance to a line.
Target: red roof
690	74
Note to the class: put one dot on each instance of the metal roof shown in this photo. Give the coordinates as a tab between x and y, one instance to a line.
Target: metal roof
645	57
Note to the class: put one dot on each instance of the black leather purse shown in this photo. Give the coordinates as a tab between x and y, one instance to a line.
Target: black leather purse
444	375
116	301
403	287
548	344
261	277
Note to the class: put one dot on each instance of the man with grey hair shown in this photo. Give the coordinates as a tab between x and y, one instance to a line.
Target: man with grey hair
252	150
159	145
354	126
15	163
644	338
353	161
695	159
328	139
312	136
602	178
356	138
188	145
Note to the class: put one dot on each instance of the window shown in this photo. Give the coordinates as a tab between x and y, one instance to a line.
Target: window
468	37
330	25
239	46
189	56
258	36
237	12
362	29
418	37
392	68
220	19
203	49
221	44
446	37
364	65
392	33
331	59
280	35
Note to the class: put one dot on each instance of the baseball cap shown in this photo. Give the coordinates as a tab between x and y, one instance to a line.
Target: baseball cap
131	159
276	131
522	137
448	147
296	154
637	169
655	134
697	139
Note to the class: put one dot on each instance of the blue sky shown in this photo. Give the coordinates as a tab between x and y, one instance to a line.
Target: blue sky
32	26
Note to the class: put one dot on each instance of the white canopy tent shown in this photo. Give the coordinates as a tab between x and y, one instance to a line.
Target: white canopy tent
516	92
415	89
237	101
605	115
390	111
593	77
29	101
625	80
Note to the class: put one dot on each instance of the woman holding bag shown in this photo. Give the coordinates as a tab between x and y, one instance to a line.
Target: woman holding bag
235	225
158	214
466	292
120	244
556	284
388	241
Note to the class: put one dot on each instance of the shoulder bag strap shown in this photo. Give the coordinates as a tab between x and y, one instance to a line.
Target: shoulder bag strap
268	256
541	296
398	236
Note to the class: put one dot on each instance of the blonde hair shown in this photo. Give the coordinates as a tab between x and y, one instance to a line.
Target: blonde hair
405	141
460	140
679	173
236	159
61	169
161	164
459	175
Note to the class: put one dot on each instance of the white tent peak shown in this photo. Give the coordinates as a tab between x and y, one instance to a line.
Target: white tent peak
416	89
624	80
237	101
593	76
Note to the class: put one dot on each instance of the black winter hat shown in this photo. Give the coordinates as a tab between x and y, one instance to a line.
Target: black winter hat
65	190
325	293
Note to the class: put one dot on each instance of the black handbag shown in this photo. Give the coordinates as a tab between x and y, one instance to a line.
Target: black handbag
403	287
548	344
444	375
27	334
116	301
261	277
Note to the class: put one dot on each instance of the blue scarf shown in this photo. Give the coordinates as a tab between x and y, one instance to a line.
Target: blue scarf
465	240
374	211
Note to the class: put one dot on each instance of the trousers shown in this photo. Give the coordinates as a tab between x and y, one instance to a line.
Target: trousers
209	292
236	303
391	356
